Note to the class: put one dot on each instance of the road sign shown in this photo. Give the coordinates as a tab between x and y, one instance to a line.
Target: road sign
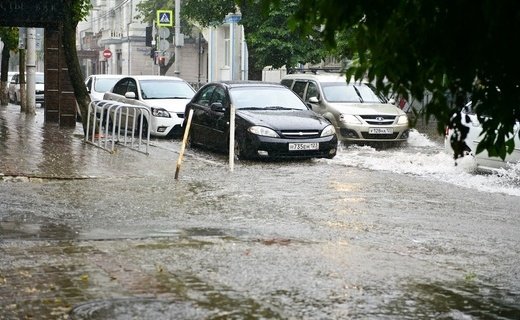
107	54
164	45
164	18
164	32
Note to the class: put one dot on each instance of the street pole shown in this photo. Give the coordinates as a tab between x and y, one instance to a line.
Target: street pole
177	36
31	69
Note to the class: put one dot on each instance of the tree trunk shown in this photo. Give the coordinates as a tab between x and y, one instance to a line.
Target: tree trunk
71	58
4	98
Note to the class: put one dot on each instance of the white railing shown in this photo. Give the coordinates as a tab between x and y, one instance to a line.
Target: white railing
111	122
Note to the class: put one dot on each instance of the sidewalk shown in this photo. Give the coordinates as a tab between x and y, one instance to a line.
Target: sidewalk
30	148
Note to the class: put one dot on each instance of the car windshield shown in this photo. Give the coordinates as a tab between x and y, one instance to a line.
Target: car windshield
166	89
104	84
265	98
38	78
343	92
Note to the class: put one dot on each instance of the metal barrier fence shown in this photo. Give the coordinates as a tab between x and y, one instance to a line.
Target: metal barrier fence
111	122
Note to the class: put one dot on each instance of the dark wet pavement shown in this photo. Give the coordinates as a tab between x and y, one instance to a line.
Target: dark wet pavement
86	234
29	147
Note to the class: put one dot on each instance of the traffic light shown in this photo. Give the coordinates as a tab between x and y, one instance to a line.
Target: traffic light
149	36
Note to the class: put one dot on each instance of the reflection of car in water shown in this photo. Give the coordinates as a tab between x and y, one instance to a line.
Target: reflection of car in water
39	87
271	122
359	114
165	97
483	161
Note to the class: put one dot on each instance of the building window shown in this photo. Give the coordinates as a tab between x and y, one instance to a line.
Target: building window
227	48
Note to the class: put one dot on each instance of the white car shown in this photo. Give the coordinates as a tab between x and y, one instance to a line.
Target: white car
165	97
99	84
39	86
483	161
359	114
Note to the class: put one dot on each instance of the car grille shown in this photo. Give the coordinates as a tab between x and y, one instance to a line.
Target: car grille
379	120
298	134
368	136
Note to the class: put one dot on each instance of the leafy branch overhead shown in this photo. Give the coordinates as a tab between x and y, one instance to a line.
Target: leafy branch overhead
456	50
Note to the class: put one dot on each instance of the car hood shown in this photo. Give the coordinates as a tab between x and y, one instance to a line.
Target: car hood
171	105
284	119
367	108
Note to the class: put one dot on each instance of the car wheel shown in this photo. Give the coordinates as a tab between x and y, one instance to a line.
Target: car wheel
144	129
240	153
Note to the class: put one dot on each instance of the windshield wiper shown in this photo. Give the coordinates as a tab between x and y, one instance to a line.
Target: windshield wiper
359	94
277	108
249	108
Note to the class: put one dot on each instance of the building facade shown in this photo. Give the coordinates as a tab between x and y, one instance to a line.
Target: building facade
112	27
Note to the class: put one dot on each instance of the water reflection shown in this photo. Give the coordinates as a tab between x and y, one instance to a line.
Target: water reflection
62	162
35	230
467	299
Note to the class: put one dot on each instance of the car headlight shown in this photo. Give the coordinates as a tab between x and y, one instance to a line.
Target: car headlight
160	112
263	131
402	119
328	131
348	118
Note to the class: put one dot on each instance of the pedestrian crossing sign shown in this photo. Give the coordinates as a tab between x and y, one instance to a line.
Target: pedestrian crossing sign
164	18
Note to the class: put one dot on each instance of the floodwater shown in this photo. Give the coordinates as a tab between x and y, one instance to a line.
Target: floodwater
400	233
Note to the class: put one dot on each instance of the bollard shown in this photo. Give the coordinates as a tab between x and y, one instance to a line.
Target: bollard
183	145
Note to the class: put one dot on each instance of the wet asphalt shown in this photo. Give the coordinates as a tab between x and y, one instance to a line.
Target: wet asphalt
89	234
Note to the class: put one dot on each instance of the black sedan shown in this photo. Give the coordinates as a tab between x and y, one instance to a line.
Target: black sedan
270	122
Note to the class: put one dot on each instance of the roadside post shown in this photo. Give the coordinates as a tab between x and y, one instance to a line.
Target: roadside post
183	145
232	137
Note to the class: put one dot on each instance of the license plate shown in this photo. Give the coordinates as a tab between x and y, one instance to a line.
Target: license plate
304	146
380	130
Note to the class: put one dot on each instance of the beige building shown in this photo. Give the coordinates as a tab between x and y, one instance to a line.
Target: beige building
112	41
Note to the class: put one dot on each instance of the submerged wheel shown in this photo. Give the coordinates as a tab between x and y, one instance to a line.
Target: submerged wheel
240	152
144	129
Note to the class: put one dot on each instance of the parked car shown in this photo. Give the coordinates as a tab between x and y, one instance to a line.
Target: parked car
271	121
359	114
39	86
165	97
483	161
99	84
14	89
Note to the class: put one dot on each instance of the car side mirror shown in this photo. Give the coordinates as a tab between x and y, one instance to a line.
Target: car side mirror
314	100
130	95
217	106
391	101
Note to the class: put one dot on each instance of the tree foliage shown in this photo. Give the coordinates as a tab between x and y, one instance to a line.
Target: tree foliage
453	49
9	37
269	39
272	42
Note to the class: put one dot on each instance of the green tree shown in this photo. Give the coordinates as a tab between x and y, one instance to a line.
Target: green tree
269	39
452	49
9	37
148	13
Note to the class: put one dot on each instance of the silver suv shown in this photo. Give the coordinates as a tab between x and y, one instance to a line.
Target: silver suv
358	113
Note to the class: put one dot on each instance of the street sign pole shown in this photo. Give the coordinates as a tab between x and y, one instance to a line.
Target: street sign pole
177	36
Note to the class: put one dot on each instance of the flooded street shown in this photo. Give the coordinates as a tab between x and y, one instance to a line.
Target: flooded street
400	233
